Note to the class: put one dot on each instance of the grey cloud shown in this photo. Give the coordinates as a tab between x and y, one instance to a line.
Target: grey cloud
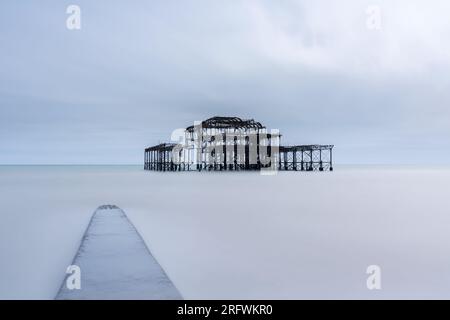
138	70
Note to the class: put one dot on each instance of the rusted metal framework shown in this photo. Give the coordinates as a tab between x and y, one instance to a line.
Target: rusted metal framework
159	157
224	123
306	158
231	143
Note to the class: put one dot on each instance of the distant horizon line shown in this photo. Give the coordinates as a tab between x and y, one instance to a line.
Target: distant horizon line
139	164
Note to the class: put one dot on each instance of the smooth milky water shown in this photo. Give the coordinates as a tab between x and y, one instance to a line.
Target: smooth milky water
238	235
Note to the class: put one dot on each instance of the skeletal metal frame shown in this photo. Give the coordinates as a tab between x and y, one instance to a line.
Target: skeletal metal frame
230	143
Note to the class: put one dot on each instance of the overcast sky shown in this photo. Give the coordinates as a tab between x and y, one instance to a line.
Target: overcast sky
136	70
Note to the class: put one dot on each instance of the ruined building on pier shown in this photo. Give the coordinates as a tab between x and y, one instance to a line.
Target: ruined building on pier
231	143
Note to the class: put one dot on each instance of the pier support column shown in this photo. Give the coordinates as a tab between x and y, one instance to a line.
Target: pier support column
331	159
320	160
224	150
294	160
302	168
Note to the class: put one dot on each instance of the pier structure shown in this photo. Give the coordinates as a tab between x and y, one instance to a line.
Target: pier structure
234	144
306	158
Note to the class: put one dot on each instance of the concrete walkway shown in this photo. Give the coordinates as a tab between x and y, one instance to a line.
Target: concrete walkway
115	263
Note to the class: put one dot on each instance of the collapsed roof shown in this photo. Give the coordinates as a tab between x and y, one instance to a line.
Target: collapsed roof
228	123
